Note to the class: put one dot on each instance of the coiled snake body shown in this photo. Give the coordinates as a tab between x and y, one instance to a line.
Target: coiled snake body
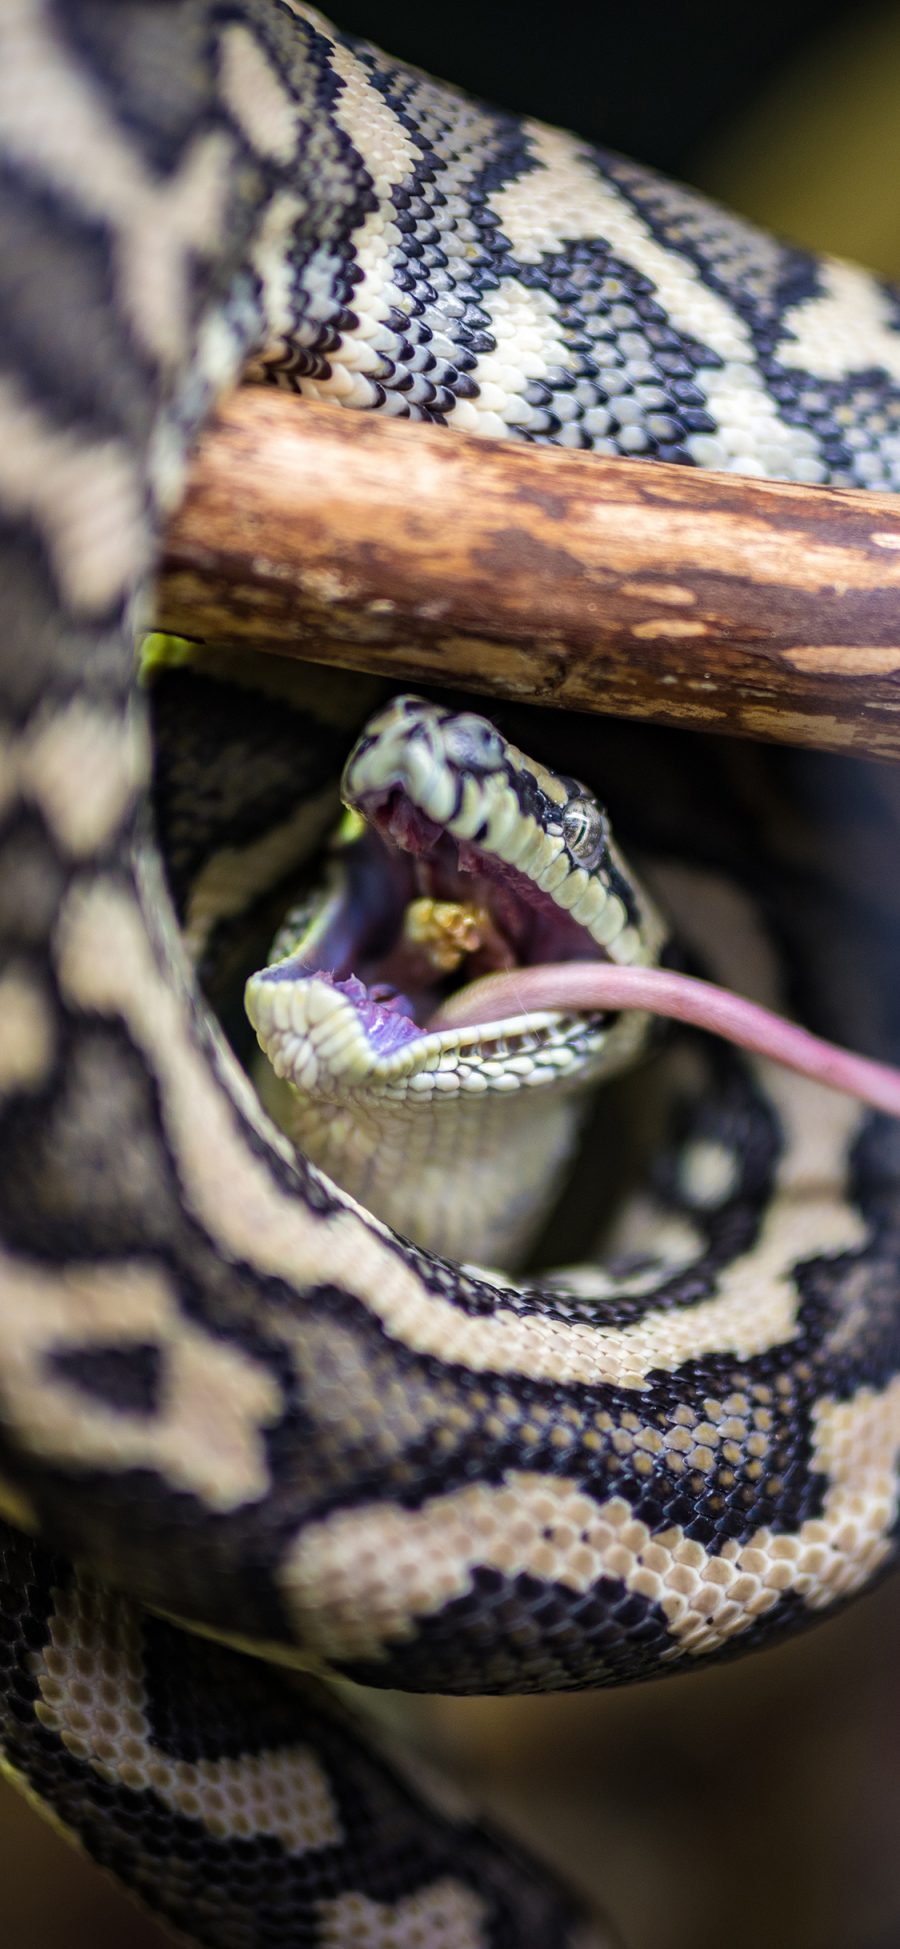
222	1387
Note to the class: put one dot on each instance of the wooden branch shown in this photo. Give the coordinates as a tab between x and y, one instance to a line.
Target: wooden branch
636	588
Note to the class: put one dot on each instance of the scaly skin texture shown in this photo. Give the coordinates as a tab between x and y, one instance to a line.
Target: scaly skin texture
220	1385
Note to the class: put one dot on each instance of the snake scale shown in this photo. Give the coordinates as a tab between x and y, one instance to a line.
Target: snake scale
225	1392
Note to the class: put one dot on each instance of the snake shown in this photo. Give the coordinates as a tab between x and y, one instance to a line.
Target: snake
258	1448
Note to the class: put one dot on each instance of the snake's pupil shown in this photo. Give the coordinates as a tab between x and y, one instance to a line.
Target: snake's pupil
584	830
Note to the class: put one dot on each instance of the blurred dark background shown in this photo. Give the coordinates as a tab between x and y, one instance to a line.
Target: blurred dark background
656	80
757	1806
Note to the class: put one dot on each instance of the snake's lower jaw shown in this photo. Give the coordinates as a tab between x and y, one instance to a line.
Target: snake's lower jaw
317	1036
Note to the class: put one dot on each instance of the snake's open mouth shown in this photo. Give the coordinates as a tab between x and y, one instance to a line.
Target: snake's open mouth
459	858
416	915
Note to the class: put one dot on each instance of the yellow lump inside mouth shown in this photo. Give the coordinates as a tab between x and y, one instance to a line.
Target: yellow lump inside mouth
445	931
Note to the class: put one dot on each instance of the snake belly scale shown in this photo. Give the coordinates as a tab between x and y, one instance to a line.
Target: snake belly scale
226	1392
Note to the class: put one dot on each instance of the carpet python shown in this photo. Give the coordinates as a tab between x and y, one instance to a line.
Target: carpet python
226	1393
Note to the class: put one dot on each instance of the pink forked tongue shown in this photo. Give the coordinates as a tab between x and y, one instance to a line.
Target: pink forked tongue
595	987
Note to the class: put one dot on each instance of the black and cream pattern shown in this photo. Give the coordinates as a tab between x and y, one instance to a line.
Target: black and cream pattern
512	281
223	1387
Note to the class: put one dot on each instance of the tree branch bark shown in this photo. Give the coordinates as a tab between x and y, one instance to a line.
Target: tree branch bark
629	587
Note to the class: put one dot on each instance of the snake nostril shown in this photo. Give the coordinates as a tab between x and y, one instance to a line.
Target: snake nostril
472	743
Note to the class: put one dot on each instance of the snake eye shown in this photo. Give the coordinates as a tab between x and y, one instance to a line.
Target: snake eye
585	830
472	743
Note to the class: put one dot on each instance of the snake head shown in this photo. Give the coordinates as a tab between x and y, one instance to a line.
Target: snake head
460	856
